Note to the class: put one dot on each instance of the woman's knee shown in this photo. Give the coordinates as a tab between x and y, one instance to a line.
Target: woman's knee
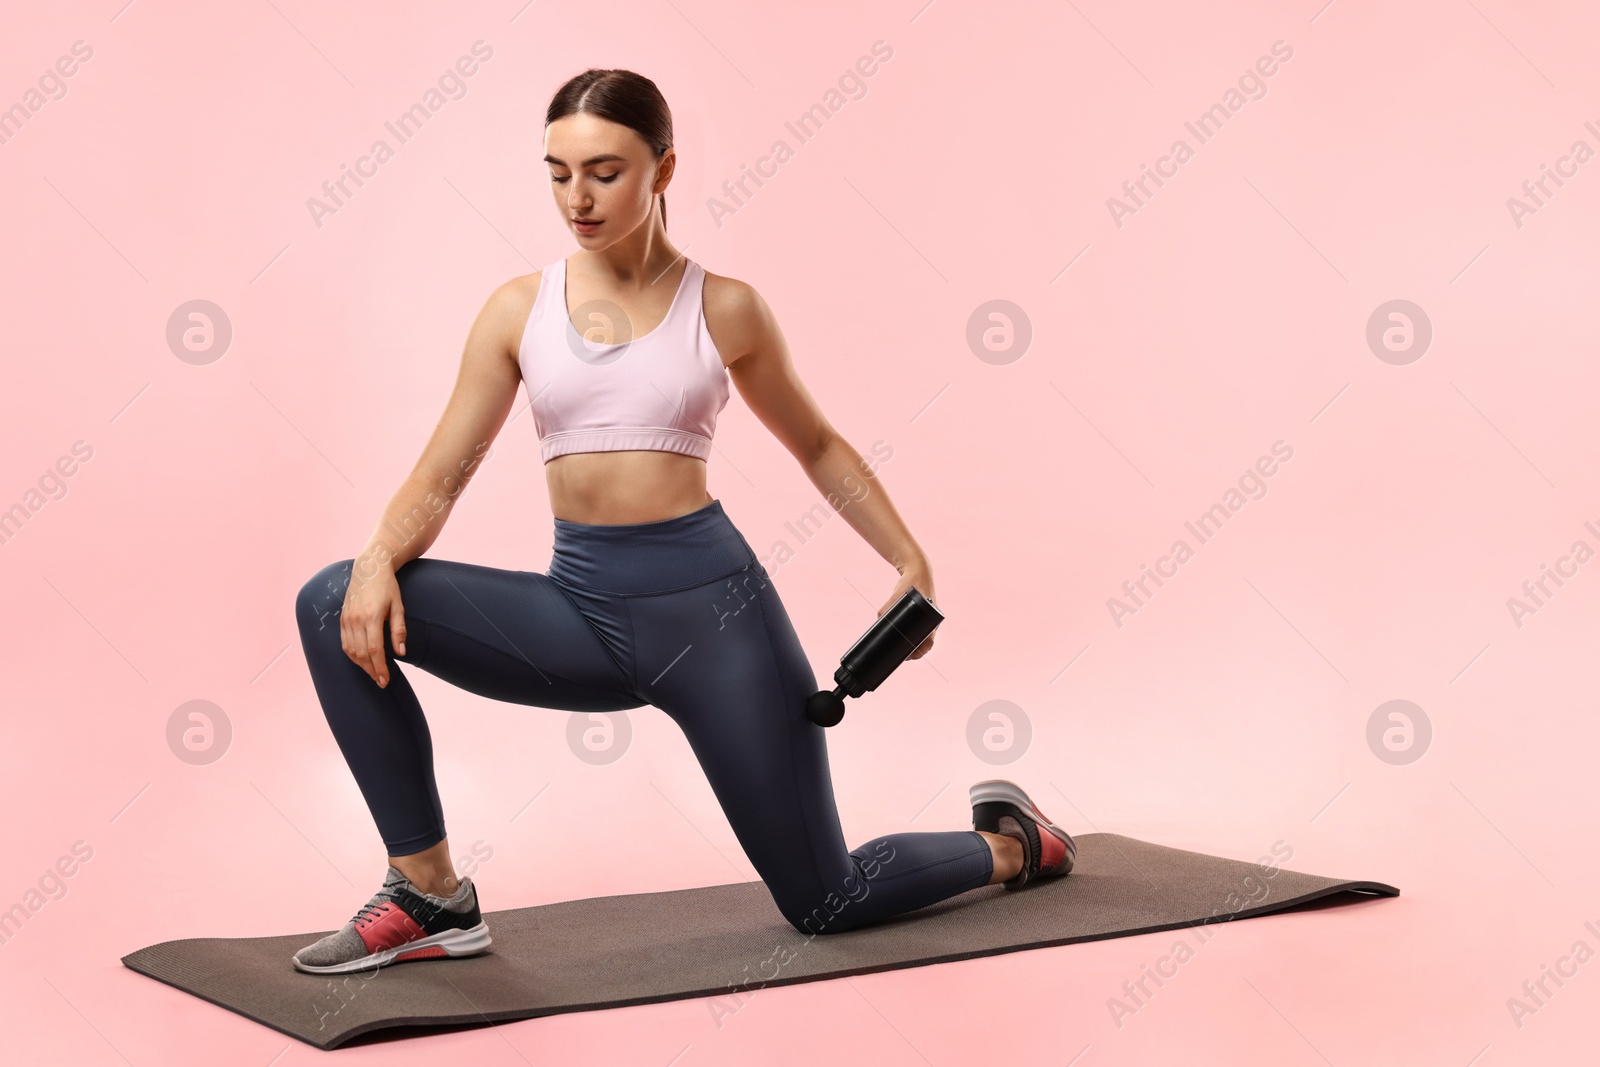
824	912
820	919
321	598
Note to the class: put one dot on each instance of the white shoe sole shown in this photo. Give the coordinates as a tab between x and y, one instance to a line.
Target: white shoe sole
454	942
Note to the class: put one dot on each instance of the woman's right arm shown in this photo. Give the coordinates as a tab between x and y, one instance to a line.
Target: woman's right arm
486	387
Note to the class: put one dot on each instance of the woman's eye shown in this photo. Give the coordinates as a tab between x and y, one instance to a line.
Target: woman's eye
558	180
607	178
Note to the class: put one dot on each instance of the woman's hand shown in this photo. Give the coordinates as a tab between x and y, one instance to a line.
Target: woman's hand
921	577
372	598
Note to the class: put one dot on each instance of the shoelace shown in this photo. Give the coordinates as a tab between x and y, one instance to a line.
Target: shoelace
369	910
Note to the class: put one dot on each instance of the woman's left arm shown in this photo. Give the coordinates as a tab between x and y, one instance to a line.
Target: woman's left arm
747	334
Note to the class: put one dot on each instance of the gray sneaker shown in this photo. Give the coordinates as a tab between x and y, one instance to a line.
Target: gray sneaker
1001	807
397	924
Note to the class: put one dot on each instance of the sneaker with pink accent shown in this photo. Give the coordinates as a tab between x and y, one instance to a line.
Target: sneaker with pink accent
400	923
1001	807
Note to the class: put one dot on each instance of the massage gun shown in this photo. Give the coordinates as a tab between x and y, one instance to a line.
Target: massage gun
876	654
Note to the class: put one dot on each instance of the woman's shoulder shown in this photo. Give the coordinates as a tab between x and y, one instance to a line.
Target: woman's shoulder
728	291
524	288
736	314
508	307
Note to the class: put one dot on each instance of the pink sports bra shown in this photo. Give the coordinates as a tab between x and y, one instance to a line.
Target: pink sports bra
659	393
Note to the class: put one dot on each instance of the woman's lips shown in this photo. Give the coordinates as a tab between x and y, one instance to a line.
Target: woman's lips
587	226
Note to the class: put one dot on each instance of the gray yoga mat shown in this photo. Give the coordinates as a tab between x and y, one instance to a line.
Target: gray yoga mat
722	941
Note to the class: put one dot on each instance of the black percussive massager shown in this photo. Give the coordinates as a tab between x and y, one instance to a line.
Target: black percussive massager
876	654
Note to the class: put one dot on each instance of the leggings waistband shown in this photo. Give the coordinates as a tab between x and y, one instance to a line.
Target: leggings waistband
649	557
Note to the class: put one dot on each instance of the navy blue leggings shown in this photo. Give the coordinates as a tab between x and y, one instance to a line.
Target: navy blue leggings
678	614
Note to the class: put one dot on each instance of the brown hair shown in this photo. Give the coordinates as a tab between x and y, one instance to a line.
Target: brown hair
619	96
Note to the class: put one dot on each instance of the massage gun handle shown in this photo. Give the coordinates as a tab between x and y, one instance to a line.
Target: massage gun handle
887	642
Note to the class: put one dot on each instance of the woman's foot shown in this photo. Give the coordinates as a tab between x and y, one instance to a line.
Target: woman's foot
400	923
1001	807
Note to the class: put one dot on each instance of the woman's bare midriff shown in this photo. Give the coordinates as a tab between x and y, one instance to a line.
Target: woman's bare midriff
613	488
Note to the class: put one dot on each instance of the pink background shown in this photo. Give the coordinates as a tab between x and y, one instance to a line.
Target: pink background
1227	313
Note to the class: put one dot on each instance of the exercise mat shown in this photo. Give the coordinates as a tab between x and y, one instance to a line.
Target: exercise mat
722	942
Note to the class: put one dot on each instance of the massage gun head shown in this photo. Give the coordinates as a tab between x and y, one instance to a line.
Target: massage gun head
825	708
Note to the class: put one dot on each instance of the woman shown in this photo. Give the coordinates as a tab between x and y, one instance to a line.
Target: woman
641	552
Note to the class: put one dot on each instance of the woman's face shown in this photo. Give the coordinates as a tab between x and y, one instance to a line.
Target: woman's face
604	174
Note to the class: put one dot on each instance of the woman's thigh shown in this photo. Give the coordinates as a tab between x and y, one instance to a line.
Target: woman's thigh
723	660
505	634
